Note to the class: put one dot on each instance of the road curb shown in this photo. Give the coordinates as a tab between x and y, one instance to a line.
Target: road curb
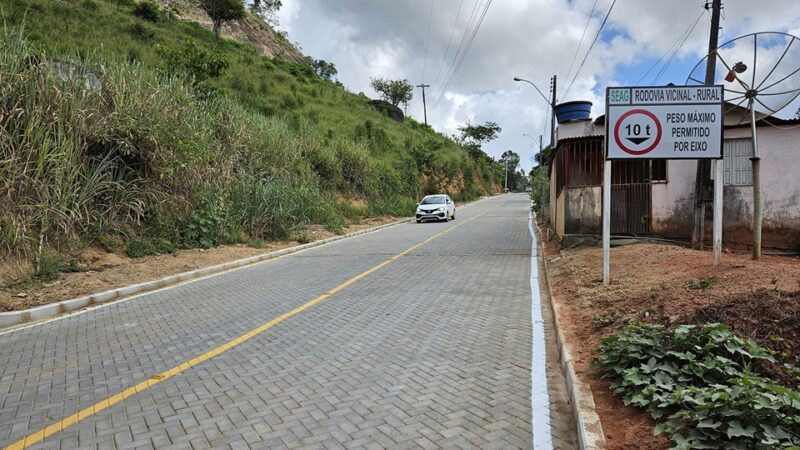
13	319
589	428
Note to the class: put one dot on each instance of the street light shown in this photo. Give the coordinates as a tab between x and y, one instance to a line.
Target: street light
550	103
537	89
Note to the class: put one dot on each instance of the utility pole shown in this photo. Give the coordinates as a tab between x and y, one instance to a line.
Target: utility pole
702	177
424	105
553	109
540	143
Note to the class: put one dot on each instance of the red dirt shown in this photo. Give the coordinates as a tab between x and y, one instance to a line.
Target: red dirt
100	270
649	283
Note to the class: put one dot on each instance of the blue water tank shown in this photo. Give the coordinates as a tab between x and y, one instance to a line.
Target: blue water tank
573	111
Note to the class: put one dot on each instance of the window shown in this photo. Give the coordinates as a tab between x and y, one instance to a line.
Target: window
658	169
737	167
635	171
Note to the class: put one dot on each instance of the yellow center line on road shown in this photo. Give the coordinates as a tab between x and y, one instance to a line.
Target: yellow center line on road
163	376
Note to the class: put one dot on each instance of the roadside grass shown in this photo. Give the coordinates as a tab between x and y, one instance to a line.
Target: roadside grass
103	142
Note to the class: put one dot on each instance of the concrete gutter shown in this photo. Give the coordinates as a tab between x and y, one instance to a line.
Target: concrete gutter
589	429
12	319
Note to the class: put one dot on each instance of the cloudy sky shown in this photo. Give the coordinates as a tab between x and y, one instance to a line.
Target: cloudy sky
532	39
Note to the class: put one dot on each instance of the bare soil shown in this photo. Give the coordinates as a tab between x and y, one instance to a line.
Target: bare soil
651	283
99	270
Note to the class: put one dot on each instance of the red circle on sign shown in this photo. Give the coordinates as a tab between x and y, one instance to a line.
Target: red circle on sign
630	150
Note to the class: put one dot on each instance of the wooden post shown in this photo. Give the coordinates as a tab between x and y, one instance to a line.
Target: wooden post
718	186
607	222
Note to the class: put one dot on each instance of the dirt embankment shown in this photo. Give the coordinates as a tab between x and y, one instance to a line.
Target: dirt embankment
99	270
670	285
251	29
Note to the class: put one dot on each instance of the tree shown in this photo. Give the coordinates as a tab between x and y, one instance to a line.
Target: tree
543	157
393	91
266	9
510	161
324	69
540	187
474	136
479	134
222	11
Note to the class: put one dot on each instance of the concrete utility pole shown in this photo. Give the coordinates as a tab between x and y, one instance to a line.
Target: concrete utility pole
424	105
553	118
506	186
702	177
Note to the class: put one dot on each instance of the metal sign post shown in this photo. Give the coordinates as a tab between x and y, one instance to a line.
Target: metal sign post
663	122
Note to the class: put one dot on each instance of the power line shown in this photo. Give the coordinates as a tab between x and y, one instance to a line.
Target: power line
575	56
460	47
680	38
449	43
594	41
427	42
468	46
677	49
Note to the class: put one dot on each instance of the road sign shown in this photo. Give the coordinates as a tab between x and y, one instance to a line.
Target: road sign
664	122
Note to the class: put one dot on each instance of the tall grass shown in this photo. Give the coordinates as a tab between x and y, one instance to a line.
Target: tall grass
100	141
96	148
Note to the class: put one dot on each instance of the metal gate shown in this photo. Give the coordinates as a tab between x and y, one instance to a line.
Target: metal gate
630	208
631	194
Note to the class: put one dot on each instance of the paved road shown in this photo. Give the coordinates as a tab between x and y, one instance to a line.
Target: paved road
431	349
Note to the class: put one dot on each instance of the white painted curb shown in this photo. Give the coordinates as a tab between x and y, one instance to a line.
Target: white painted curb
12	319
589	428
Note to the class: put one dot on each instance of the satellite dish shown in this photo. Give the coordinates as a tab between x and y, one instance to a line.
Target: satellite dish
760	73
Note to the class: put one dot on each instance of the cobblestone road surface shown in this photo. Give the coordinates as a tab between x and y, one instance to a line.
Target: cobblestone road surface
431	351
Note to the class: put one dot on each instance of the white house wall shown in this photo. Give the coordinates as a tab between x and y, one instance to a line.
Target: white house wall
779	150
673	202
672	209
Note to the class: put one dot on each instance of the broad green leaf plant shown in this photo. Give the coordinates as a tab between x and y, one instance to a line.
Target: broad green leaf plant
700	385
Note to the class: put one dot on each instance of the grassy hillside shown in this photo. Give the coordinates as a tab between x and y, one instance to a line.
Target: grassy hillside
104	138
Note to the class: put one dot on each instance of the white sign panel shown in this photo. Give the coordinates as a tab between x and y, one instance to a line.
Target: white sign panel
664	122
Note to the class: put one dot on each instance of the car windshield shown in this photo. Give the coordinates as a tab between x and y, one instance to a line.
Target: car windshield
433	200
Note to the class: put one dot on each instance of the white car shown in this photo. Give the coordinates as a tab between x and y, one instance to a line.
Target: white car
436	207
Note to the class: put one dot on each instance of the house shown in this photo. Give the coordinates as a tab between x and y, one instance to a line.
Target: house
656	197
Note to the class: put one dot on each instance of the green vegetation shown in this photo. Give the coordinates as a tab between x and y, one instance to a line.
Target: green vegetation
123	126
222	11
702	283
703	386
393	91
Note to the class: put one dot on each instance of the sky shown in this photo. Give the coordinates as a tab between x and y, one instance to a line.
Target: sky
419	40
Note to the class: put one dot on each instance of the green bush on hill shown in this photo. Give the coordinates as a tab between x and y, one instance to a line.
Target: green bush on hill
98	138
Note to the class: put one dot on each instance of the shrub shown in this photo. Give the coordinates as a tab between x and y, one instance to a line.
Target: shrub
391	205
48	265
702	283
147	10
144	246
142	33
699	385
192	60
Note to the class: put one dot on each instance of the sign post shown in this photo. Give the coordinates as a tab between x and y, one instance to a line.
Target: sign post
663	122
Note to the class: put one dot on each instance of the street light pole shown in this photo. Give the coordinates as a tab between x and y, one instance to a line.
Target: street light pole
550	102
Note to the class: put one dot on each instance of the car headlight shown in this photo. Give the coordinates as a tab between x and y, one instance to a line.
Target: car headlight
438	210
